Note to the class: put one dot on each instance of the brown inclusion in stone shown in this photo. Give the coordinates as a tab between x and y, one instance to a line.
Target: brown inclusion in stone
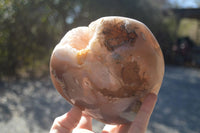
117	35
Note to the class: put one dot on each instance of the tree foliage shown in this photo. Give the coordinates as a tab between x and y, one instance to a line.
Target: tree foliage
29	29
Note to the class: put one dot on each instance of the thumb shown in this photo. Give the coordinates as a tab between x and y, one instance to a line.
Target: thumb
67	122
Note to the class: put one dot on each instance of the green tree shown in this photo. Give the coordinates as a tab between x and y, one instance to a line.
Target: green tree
30	29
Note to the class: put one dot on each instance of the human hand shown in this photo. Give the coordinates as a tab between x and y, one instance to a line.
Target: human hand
77	122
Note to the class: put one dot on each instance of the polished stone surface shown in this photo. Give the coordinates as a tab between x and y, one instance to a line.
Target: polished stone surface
108	68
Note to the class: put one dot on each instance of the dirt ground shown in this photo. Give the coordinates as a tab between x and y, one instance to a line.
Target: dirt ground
30	106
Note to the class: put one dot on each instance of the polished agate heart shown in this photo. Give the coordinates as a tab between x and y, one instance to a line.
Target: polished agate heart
108	68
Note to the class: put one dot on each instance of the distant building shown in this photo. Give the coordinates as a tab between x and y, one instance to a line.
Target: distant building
189	13
186	50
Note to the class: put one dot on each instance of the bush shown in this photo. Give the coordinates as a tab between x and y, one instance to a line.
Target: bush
30	29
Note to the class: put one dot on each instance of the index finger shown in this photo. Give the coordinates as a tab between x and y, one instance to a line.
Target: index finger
139	125
67	122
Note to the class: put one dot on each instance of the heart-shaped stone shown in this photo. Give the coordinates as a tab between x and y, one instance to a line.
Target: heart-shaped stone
108	68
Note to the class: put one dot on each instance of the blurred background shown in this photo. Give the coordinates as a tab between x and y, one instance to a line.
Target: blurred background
30	29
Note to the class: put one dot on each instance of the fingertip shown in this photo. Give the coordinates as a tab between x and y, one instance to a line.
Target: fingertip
149	102
152	96
73	116
142	118
75	111
68	121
